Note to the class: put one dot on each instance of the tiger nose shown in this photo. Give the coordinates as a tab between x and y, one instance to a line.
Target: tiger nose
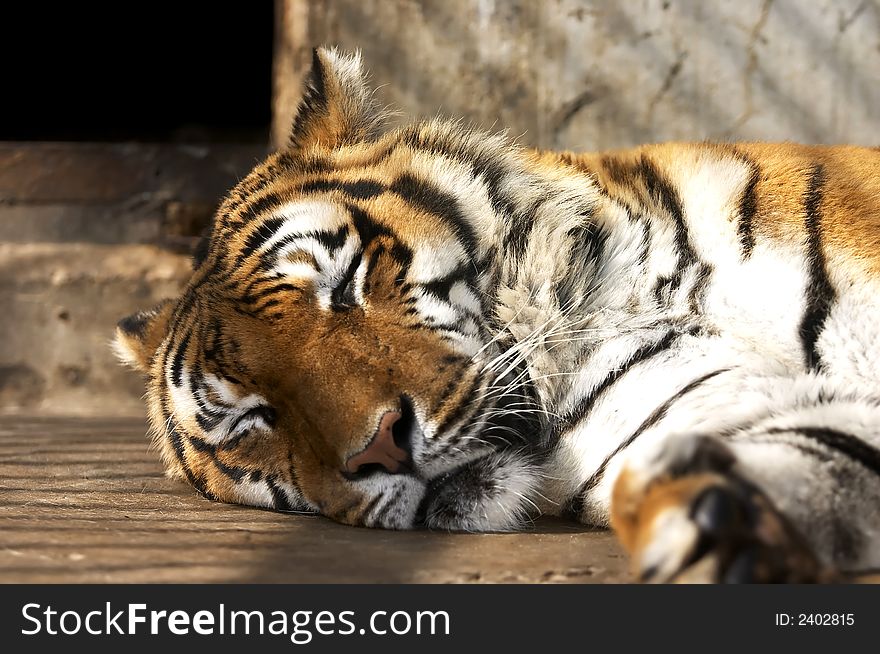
384	450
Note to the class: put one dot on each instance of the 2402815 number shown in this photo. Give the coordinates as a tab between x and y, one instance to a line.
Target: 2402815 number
826	619
815	619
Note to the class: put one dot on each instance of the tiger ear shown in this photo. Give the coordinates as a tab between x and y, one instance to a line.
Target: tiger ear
337	106
139	335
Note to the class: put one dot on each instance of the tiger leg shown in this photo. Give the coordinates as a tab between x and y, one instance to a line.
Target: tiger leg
786	499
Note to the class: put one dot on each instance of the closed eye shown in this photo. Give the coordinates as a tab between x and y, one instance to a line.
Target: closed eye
343	296
260	416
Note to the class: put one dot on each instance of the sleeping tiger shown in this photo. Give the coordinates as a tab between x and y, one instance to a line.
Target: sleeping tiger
432	326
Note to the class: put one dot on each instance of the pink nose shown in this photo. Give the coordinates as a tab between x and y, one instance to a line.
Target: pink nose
382	450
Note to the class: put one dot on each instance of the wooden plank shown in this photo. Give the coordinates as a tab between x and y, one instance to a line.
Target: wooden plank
86	501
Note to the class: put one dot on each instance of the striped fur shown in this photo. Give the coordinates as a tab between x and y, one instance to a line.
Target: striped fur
553	322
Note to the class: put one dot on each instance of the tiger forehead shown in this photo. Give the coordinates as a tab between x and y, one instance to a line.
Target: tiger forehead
342	218
412	209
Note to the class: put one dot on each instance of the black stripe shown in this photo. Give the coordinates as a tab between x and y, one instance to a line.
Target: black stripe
620	172
748	206
260	205
486	167
196	381
448	390
267	305
172	433
330	240
232	443
440	288
459	411
588	242
258	237
222	350
269	256
441	327
135	325
258	180
377	519
847	444
819	293
176	439
265	413
467	429
366	226
646	237
278	495
177	363
182	309
519	230
365	513
253	298
489	170
310	163
762	438
450	359
492	172
664	287
403	255
431	199
662	191
177	444
203	247
645	352
369	229
208	420
575	505
361	189
198	391
372	262
201	445
235	473
342	297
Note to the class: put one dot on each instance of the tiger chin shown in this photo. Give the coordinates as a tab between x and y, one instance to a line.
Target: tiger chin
432	326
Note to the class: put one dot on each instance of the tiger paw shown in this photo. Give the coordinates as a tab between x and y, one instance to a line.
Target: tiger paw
686	516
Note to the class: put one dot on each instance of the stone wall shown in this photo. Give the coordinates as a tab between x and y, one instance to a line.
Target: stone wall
597	74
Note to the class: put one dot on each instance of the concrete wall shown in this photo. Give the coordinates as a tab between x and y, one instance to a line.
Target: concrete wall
596	74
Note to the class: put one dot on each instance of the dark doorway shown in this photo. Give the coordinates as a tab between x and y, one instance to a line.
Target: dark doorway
156	71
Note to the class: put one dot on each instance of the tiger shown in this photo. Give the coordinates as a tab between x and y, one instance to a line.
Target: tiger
433	326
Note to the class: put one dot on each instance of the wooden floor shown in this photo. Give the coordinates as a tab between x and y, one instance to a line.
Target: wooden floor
86	501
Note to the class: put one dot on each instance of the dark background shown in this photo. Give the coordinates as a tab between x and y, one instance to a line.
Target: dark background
155	71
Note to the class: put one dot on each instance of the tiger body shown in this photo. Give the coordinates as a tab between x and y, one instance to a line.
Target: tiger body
679	340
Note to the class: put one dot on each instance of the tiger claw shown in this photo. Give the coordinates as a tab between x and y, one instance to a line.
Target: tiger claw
708	527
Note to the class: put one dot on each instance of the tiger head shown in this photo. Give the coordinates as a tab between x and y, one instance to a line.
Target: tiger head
337	349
